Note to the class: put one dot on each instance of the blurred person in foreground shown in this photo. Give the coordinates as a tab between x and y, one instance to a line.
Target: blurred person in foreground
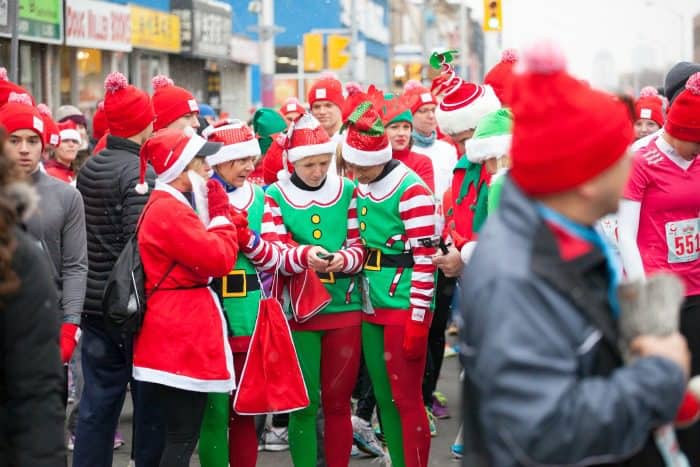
545	379
31	410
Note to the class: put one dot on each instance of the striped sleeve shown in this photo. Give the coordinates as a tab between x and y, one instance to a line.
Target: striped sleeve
292	257
417	208
354	252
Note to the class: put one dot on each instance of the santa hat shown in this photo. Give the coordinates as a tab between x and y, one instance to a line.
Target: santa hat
127	108
169	151
69	130
52	135
7	87
292	104
492	137
237	138
397	109
649	105
365	143
20	114
419	95
500	76
327	88
306	138
170	102
463	104
99	121
550	107
683	120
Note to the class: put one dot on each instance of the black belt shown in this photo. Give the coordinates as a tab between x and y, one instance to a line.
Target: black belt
331	277
236	284
376	260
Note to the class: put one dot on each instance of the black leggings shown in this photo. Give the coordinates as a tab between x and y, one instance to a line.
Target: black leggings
689	438
184	411
444	290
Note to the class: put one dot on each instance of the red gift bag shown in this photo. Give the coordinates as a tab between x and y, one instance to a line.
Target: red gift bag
271	381
308	295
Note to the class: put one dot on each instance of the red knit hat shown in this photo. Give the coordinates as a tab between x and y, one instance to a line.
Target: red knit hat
500	77
238	141
99	121
549	153
127	108
683	120
418	94
20	114
649	106
365	143
463	103
170	102
52	135
306	138
327	88
7	87
169	151
69	130
292	104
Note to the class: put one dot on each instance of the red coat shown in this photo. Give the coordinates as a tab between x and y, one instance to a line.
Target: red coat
183	342
419	163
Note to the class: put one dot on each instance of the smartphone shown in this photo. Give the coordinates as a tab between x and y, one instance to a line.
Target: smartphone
328	257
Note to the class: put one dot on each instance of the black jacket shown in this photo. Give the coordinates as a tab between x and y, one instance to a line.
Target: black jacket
31	375
112	207
544	378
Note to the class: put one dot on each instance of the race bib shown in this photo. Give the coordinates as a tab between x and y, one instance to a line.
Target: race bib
683	241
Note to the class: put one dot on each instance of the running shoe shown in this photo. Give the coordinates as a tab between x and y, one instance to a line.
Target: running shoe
440	410
118	440
276	439
432	422
365	438
457	451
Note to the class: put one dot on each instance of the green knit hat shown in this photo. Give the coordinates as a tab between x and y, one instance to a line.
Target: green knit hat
492	136
267	122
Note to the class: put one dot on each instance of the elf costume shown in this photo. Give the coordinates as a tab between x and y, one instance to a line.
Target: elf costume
228	438
462	107
396	220
328	344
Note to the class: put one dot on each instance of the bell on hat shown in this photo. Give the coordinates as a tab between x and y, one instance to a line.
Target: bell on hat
127	108
169	151
19	113
237	139
365	143
170	102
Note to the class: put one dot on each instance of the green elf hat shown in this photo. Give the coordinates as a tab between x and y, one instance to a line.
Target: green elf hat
396	109
492	136
266	123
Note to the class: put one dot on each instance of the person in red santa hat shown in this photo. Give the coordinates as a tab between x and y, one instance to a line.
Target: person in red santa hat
648	112
326	102
500	77
175	107
292	109
60	165
99	128
52	135
182	346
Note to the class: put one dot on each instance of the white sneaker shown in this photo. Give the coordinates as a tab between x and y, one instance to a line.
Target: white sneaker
364	437
276	439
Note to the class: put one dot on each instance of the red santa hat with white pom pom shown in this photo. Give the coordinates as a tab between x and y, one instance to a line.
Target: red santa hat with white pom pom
170	102
649	105
127	108
683	121
305	138
20	114
500	76
238	141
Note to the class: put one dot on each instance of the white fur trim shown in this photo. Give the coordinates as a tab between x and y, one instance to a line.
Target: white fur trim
465	118
218	221
300	152
481	149
188	153
366	158
69	133
467	251
283	175
236	151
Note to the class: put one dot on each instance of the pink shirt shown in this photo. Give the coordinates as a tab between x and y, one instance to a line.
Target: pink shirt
669	222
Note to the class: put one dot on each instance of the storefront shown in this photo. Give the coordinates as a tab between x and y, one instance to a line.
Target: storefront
40	30
98	40
154	34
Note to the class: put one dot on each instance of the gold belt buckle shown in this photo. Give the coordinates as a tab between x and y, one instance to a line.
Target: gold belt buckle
375	254
238	293
327	277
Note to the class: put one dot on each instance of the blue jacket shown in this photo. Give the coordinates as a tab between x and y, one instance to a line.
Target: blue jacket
545	381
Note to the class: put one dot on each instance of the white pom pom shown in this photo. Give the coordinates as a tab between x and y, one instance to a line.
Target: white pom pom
141	188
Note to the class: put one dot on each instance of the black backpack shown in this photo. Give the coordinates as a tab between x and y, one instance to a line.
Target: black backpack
124	296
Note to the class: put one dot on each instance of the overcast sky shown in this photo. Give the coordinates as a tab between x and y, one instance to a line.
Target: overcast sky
627	34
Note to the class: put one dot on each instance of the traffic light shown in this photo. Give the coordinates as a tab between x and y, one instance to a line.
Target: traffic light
493	15
337	56
313	52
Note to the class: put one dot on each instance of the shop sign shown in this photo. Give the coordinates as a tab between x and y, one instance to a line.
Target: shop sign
154	30
37	20
205	26
98	25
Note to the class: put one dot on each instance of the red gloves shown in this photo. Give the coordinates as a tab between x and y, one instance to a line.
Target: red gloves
415	338
68	341
240	220
217	200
